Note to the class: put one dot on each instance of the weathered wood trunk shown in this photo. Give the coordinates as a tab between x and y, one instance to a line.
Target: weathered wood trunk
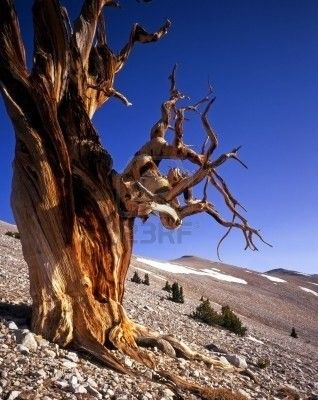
76	241
76	237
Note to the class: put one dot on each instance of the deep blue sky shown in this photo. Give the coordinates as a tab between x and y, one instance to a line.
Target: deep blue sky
262	59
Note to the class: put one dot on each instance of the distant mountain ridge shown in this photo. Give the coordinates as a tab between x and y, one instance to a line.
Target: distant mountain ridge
285	271
192	259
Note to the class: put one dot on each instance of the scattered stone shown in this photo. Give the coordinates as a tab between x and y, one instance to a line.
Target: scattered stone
224	361
91	382
42	373
196	373
27	339
215	349
14	395
73	382
80	389
288	392
148	374
50	353
23	349
128	361
12	326
41	341
93	391
237	361
72	356
68	364
244	393
110	392
168	393
61	384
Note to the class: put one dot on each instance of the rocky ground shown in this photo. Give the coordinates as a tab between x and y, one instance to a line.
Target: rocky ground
32	368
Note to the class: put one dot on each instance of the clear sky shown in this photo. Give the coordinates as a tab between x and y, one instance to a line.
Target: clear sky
262	59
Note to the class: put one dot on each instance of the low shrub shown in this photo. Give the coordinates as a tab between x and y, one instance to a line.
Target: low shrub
263	363
176	293
15	235
146	280
227	319
167	287
293	333
136	278
231	322
205	313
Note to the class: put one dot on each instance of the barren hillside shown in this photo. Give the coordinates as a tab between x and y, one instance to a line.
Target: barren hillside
268	307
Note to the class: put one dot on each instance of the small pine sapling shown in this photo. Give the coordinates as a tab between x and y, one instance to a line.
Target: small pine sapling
136	278
167	287
205	313
231	322
294	333
146	280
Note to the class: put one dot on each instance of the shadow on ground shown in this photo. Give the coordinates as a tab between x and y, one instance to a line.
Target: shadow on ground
19	313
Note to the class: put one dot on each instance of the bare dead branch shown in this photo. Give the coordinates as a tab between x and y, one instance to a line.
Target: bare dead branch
188	182
160	128
223	238
196	105
207	207
228	198
205	188
178	128
172	78
226	156
139	34
86	24
227	191
209	130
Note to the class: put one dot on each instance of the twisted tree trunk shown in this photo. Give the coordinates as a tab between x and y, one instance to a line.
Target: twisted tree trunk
76	241
75	213
76	238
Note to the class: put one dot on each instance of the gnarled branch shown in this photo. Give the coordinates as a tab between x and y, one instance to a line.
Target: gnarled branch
166	189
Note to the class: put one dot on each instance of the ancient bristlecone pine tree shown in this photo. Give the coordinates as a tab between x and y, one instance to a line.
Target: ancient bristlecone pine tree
76	213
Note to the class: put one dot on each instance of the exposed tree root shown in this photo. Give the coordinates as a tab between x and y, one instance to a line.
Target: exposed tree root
172	346
160	343
129	337
99	352
182	350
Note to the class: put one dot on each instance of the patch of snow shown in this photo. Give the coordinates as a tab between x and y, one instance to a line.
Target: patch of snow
273	278
253	339
216	269
250	272
309	290
224	277
181	269
313	283
169	267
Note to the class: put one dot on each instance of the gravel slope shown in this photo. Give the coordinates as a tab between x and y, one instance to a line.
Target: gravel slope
32	368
